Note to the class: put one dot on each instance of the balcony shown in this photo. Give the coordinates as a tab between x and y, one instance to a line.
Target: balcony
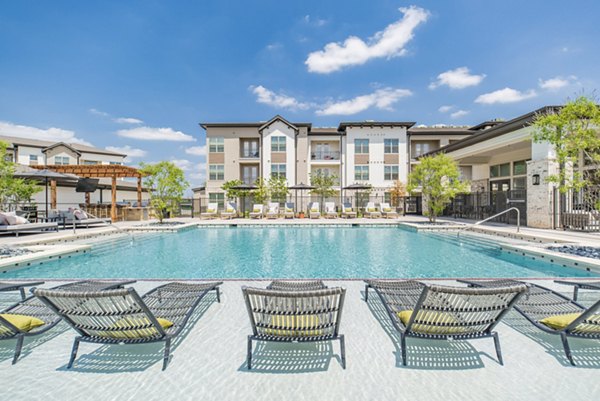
249	154
327	155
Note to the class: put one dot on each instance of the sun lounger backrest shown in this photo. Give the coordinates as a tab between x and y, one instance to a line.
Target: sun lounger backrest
314	206
461	311
111	314
289	314
212	207
330	206
273	207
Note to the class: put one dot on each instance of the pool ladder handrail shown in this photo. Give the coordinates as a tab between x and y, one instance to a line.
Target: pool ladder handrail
468	227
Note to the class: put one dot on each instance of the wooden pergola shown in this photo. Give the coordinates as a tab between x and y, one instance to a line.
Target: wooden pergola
112	171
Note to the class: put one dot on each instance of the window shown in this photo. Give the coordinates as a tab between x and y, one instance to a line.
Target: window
219	198
216	172
115	163
61	160
33	160
278	144
390	145
390	173
361	173
520	168
421	148
90	162
216	144
500	170
361	146
520	183
278	171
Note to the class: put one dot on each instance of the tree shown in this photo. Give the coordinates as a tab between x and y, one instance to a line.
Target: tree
166	183
573	132
261	193
13	191
323	184
397	192
278	188
231	193
438	178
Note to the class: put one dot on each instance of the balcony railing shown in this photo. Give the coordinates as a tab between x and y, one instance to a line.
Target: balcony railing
250	154
325	155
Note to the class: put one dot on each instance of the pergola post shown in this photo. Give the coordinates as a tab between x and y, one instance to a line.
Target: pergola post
113	199
139	191
53	194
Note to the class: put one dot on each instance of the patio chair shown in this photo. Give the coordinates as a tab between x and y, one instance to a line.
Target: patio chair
211	211
121	316
347	211
18	286
257	211
313	210
444	312
15	223
371	211
230	211
288	211
290	285
273	210
580	285
552	312
30	317
330	212
387	211
294	316
78	218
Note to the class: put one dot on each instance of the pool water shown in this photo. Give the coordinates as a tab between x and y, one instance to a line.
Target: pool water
296	252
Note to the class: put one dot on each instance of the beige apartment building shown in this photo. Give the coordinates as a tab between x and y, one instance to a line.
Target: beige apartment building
369	152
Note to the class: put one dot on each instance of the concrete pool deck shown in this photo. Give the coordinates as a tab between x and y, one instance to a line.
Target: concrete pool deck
208	362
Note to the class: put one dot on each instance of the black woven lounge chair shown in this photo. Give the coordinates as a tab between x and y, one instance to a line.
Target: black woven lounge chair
295	316
123	317
18	286
32	307
288	285
435	312
541	303
580	285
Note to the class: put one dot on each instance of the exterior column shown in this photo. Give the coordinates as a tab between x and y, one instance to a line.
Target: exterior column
52	194
139	191
87	199
540	197
113	204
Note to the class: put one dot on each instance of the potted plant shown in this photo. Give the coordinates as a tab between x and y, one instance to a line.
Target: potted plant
301	215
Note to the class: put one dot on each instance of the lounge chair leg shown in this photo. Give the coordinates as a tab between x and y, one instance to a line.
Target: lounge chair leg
249	355
73	352
343	351
575	293
167	353
565	343
498	350
366	292
22	291
218	295
18	348
403	348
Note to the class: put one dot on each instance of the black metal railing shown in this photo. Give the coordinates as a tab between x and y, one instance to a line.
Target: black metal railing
325	155
577	209
481	205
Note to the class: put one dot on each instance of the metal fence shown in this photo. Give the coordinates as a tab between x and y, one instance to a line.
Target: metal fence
481	205
577	210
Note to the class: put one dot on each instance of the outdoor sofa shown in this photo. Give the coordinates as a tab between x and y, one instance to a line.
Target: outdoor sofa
78	217
12	223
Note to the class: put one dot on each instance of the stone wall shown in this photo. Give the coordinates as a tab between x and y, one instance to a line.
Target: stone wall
479	185
539	197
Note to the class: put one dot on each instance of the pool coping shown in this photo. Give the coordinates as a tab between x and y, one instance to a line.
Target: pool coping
41	254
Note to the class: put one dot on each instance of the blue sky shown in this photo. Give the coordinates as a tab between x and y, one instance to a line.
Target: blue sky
140	75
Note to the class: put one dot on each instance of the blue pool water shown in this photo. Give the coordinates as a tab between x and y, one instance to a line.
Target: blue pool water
301	252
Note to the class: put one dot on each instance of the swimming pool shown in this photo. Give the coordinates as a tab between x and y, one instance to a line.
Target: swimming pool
296	252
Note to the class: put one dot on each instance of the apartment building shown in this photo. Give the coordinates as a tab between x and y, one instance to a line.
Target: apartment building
371	152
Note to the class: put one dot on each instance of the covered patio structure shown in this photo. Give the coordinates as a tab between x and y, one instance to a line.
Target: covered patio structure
112	171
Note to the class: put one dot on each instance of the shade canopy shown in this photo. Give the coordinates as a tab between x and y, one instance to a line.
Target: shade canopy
30	173
358	187
301	186
245	187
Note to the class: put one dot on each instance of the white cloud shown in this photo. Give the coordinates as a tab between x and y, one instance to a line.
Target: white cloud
557	82
183	164
506	95
388	43
445	109
274	46
99	113
155	134
196	150
127	120
458	78
459	114
382	99
268	97
50	134
128	150
314	21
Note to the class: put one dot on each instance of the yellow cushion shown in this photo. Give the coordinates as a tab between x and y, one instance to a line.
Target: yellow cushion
434	317
210	210
230	210
22	322
348	209
314	210
256	210
294	326
387	209
126	323
371	209
288	210
560	322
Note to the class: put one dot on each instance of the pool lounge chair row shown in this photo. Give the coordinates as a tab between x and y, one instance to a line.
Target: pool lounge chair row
295	311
